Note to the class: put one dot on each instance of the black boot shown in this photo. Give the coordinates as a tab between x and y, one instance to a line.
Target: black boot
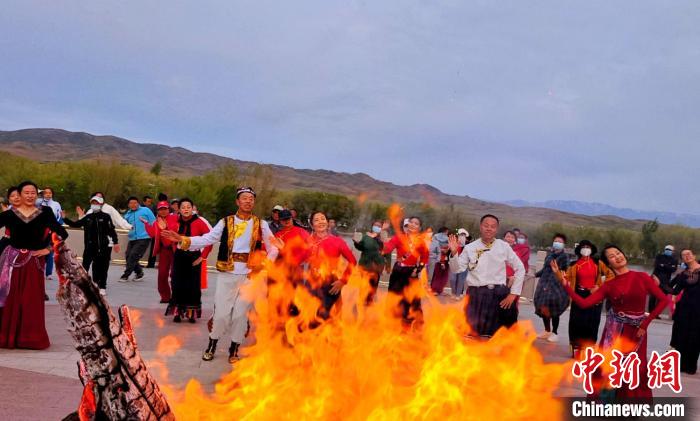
233	353
211	349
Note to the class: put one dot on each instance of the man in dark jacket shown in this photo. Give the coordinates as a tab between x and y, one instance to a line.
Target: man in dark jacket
665	266
98	229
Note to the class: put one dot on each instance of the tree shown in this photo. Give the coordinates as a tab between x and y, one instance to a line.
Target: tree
155	170
648	244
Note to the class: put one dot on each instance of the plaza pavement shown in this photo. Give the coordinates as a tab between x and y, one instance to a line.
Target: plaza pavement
43	385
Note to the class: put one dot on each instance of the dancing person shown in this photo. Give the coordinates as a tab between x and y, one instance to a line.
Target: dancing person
550	298
163	248
22	274
47	200
99	238
326	275
186	298
412	256
13	200
457	280
685	336
138	238
371	245
586	275
665	265
440	257
627	293
274	220
522	250
241	237
486	260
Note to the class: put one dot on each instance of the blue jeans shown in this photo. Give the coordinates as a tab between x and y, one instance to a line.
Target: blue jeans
49	264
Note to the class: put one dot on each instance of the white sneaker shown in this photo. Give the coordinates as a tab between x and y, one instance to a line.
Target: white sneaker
544	335
103	292
553	338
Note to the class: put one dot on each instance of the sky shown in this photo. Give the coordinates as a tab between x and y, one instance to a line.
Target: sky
541	100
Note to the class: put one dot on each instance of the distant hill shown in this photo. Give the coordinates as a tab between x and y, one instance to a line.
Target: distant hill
597	209
61	145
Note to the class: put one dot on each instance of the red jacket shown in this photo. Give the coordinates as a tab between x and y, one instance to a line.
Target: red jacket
409	250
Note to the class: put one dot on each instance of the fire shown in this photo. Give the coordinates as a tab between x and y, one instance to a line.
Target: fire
363	365
168	345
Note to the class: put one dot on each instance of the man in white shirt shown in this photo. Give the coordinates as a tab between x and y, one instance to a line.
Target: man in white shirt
241	237
486	259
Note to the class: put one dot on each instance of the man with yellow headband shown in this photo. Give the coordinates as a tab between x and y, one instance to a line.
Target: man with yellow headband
244	239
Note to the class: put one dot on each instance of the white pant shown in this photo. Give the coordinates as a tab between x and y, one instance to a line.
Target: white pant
231	309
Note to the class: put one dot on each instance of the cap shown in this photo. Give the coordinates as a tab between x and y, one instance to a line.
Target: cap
242	190
285	214
669	247
463	231
163	204
278	208
97	199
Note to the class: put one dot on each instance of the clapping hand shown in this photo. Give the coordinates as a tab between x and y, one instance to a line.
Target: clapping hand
453	242
171	236
277	242
558	272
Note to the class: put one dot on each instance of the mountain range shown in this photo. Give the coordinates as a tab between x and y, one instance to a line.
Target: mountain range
50	145
595	209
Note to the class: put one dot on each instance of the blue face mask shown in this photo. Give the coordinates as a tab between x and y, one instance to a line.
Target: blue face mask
668	253
376	229
558	245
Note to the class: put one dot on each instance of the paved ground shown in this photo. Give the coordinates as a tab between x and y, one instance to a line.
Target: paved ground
43	385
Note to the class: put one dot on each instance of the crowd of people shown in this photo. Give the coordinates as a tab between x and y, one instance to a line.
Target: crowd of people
310	254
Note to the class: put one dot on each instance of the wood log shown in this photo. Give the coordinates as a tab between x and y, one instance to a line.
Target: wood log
111	367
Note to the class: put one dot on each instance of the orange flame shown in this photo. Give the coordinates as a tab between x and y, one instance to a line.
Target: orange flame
168	345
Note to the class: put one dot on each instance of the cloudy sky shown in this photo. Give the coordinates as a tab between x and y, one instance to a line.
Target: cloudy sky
536	100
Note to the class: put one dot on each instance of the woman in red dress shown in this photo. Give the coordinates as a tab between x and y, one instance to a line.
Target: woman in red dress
626	319
325	276
22	270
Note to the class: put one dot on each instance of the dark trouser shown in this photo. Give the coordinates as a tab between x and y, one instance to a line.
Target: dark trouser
584	323
151	257
689	360
373	285
99	260
134	252
328	300
484	313
401	283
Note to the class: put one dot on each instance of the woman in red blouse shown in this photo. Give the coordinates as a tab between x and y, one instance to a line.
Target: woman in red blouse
326	276
627	292
587	274
186	299
412	256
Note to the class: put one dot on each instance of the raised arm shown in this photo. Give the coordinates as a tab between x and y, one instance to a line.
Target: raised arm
74	224
53	224
198	242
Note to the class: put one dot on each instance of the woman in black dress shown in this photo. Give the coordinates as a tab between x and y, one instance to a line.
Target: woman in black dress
22	266
685	336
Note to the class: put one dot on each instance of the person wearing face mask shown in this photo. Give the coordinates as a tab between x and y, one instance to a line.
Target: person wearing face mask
522	250
685	336
370	245
665	265
586	276
550	297
100	237
457	280
440	256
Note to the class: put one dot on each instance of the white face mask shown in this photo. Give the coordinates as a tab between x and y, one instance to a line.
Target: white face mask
521	241
558	245
585	252
96	208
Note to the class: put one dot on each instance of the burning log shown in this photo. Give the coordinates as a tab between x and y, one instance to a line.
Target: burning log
117	382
